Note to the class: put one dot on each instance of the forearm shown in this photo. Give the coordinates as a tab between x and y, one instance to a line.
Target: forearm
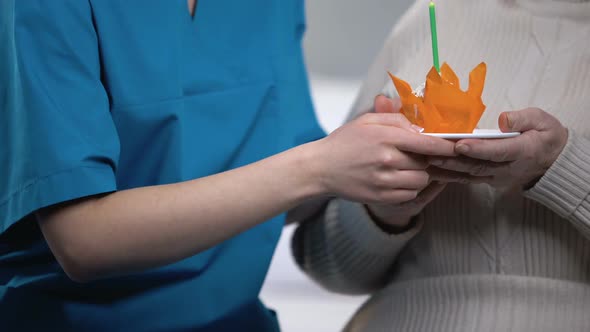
152	226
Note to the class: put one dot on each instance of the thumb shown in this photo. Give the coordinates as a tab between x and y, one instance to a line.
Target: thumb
387	105
523	120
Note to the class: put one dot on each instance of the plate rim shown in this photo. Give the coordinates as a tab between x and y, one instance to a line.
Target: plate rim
485	133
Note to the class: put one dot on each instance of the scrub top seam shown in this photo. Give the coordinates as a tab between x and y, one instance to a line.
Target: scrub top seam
36	180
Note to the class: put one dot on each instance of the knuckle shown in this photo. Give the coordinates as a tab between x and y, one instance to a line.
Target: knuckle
501	154
535	111
516	118
378	180
387	159
556	143
366	117
401	119
424	179
383	180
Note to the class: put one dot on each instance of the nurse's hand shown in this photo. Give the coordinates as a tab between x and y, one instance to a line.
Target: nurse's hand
513	161
393	218
379	158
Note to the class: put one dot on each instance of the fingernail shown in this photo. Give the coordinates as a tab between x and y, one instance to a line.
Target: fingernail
462	148
417	129
508	122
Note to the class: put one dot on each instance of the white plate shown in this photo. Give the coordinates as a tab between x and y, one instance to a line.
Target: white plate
477	133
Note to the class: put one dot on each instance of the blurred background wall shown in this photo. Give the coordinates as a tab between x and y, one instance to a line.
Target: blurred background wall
343	37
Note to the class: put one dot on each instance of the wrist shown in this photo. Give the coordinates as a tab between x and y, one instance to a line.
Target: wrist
531	182
400	225
308	170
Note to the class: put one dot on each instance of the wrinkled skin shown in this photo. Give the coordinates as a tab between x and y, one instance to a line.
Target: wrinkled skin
518	161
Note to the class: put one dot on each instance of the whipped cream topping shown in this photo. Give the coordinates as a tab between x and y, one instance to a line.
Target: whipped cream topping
419	91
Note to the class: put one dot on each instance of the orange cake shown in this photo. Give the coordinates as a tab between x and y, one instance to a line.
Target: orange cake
444	107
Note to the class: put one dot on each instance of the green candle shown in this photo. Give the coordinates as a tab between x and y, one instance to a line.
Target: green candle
433	35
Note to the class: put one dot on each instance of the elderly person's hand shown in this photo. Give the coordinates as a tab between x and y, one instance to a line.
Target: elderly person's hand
512	161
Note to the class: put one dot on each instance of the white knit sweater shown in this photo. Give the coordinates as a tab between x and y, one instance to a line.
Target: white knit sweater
479	259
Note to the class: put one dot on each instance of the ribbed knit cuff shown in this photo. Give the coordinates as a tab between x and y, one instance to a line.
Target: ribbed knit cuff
566	184
356	224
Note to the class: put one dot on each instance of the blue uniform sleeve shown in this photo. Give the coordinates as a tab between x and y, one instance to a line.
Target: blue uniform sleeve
58	141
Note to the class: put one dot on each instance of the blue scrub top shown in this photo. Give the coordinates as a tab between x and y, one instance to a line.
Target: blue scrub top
105	95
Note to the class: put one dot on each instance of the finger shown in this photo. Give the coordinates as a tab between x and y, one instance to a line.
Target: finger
447	176
388	119
404	161
396	196
383	104
412	161
397	179
523	120
468	165
423	144
410	140
497	150
429	193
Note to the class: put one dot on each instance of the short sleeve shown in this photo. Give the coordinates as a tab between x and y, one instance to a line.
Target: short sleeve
58	141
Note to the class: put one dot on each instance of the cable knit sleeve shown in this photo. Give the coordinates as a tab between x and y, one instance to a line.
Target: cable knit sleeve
343	250
565	187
